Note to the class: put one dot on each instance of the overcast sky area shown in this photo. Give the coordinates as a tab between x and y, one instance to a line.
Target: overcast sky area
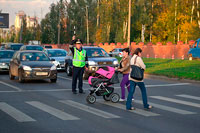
30	7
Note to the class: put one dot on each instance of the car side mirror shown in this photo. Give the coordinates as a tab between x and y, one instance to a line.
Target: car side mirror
53	60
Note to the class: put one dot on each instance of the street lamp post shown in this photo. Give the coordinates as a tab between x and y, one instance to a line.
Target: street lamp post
129	24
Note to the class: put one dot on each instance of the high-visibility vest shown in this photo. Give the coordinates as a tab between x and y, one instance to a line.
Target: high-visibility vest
79	58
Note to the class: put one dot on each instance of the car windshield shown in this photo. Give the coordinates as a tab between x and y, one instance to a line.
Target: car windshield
96	52
34	56
56	53
6	54
39	48
48	46
15	47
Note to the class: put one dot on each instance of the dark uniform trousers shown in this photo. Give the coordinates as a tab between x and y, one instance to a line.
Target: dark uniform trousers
77	74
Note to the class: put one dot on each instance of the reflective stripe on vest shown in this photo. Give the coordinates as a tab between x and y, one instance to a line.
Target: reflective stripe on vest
79	58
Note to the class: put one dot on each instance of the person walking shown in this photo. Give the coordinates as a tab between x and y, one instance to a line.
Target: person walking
79	65
137	60
124	68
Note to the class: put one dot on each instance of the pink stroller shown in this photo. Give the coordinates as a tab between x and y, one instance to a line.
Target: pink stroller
101	85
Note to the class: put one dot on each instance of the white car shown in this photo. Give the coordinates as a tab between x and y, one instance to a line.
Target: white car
116	52
59	55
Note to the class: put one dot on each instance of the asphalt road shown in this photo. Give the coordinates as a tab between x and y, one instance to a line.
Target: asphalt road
44	107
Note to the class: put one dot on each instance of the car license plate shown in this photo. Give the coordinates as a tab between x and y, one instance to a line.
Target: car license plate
41	73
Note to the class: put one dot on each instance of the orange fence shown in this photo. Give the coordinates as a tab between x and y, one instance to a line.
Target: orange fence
158	50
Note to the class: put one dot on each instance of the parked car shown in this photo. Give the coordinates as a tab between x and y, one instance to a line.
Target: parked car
59	55
194	51
2	47
116	52
97	58
5	57
47	46
30	65
32	47
13	46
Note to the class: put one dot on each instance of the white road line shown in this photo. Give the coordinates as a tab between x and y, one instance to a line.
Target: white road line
170	109
189	96
53	111
162	85
123	107
70	79
176	101
16	114
9	85
89	109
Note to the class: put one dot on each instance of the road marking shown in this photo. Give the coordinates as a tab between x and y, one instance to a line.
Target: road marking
89	109
53	111
14	87
123	107
170	109
176	101
16	114
162	85
70	79
189	96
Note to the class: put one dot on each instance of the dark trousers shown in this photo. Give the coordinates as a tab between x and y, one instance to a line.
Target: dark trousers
77	74
131	92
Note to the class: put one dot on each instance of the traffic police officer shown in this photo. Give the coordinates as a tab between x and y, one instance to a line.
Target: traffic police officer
79	65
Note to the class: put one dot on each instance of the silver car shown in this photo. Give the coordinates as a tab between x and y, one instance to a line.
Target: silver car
5	57
59	55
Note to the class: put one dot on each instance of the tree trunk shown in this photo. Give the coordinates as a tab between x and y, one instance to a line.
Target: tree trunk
175	15
192	11
142	33
198	16
125	29
151	28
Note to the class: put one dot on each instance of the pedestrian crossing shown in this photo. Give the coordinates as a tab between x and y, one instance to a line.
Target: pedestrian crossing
64	115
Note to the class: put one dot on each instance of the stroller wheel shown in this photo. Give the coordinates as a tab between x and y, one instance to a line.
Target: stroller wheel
114	97
106	97
91	99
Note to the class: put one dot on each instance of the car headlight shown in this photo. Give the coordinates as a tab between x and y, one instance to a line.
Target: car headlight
92	63
115	62
56	63
53	67
3	64
27	68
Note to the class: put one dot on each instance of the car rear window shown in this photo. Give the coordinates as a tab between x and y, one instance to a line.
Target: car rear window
6	54
56	53
39	48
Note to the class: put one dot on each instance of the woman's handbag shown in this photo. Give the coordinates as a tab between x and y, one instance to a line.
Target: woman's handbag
137	72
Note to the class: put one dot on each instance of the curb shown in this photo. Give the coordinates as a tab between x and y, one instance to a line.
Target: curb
149	76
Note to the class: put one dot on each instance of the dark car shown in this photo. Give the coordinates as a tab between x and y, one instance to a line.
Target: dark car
32	47
5	57
32	65
97	58
13	46
194	51
59	55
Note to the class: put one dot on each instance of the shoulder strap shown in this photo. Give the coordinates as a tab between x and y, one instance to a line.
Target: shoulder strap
135	59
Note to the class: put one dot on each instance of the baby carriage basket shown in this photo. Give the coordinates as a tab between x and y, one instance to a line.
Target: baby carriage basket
101	85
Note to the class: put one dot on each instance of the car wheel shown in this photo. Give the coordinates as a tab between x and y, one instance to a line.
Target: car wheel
20	77
53	80
68	70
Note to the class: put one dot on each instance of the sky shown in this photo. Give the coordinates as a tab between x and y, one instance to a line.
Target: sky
30	7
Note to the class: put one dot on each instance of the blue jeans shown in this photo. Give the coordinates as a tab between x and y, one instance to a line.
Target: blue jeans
131	92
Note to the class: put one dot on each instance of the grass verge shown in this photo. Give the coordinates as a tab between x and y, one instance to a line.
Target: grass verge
182	69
